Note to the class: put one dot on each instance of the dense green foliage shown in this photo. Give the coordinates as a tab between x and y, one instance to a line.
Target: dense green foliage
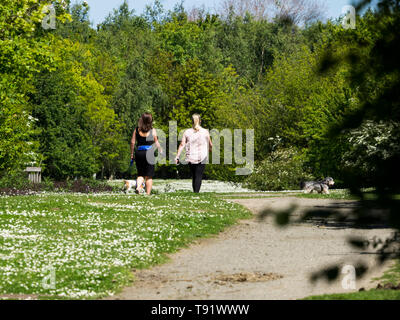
23	53
281	170
71	97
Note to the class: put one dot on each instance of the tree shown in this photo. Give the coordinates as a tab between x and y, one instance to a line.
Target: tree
22	55
296	11
190	89
78	28
79	132
128	40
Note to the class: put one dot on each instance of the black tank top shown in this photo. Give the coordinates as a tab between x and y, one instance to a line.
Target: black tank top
144	141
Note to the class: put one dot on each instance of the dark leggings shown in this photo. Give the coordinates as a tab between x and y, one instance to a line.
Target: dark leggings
197	175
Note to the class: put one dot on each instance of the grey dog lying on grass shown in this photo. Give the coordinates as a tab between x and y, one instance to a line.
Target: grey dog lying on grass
319	186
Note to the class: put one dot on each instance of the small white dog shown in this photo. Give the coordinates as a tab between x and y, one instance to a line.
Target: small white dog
131	184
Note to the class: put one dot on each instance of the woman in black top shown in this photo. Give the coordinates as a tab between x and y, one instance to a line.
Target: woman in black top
145	136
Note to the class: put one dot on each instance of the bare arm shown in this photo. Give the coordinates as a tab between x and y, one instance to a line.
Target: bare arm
210	143
181	146
156	141
133	141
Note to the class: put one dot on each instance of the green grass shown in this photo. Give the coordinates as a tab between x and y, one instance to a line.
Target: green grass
374	294
343	194
340	194
392	275
91	242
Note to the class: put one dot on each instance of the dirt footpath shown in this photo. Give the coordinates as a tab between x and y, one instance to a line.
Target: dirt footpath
258	260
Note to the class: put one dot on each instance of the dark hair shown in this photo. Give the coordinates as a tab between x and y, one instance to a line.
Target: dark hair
145	123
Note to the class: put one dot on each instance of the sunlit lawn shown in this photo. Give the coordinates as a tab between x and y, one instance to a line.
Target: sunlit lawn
343	194
92	242
374	294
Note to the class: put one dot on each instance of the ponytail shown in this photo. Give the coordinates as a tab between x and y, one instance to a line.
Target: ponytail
196	121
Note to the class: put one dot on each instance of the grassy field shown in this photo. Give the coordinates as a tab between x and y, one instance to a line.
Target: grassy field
87	244
235	190
340	194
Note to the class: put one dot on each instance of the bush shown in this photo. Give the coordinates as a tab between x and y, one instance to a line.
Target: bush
282	170
171	171
83	186
372	144
47	184
222	172
18	180
18	184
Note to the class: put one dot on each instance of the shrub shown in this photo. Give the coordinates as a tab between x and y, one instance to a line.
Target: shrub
83	186
222	172
372	144
282	170
18	184
17	180
171	171
47	184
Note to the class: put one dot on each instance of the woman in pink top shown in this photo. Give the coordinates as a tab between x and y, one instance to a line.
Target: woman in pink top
197	141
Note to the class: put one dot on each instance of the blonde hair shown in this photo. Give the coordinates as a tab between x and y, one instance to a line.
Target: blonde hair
196	120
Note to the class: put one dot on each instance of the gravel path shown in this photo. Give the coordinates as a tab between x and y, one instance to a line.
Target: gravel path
258	260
